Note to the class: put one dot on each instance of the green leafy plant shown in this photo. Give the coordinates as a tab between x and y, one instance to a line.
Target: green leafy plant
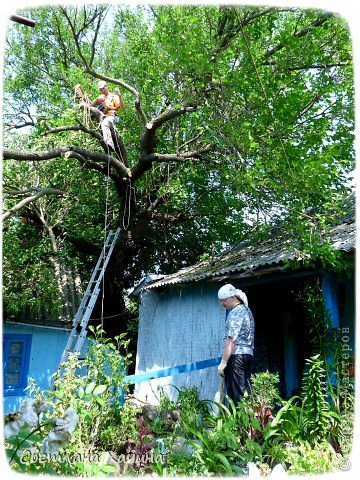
119	427
264	397
223	444
311	458
191	408
178	464
264	389
327	342
217	449
324	339
316	409
87	391
287	424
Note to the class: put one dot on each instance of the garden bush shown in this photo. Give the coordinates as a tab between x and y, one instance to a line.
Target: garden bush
82	426
67	430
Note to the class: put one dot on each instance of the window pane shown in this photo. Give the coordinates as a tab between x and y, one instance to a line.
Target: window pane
12	379
16	348
13	364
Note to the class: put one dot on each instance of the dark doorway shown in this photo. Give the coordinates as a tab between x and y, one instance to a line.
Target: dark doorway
281	332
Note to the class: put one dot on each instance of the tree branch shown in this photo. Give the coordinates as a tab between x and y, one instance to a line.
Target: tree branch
301	33
18	125
49	228
308	107
165	217
146	161
170	114
98	157
315	66
24	155
185	144
227	32
97	15
148	139
320	114
176	157
74	128
25	118
73	152
81	128
40	192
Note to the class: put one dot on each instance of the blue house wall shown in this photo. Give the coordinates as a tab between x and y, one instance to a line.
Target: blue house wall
183	326
342	320
184	323
46	347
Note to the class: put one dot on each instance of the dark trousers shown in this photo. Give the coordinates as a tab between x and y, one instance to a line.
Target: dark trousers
237	376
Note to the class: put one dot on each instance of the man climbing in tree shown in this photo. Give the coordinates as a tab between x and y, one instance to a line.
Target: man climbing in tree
108	103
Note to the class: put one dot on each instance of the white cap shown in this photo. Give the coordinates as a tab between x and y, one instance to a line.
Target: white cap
102	84
229	290
226	291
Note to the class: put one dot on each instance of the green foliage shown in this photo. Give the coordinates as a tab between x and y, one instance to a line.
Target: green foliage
218	447
276	107
178	464
91	388
328	344
307	458
188	403
119	427
264	389
288	423
318	318
263	398
221	442
316	409
307	425
309	417
344	429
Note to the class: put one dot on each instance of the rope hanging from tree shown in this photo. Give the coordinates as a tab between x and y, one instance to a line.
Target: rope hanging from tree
79	94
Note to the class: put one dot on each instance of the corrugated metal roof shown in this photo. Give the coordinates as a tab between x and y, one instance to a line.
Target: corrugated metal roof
248	259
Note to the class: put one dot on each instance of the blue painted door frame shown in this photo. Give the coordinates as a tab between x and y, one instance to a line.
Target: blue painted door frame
331	299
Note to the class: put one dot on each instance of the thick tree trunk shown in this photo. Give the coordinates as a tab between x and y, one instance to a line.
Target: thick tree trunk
68	283
69	290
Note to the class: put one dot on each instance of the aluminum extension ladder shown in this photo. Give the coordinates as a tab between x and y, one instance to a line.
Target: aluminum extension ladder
81	320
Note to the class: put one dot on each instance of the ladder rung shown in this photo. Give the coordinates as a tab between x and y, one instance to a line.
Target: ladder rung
89	299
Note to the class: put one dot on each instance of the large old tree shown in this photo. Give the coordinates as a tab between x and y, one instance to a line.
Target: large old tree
237	119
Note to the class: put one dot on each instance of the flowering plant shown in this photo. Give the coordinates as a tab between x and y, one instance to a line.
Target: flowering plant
71	415
22	428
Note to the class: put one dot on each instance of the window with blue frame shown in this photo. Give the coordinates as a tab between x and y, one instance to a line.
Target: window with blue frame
16	357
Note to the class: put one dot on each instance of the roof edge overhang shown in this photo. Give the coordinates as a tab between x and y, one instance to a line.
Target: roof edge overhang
260	275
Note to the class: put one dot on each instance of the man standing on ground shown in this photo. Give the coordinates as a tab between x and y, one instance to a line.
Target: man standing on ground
238	353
